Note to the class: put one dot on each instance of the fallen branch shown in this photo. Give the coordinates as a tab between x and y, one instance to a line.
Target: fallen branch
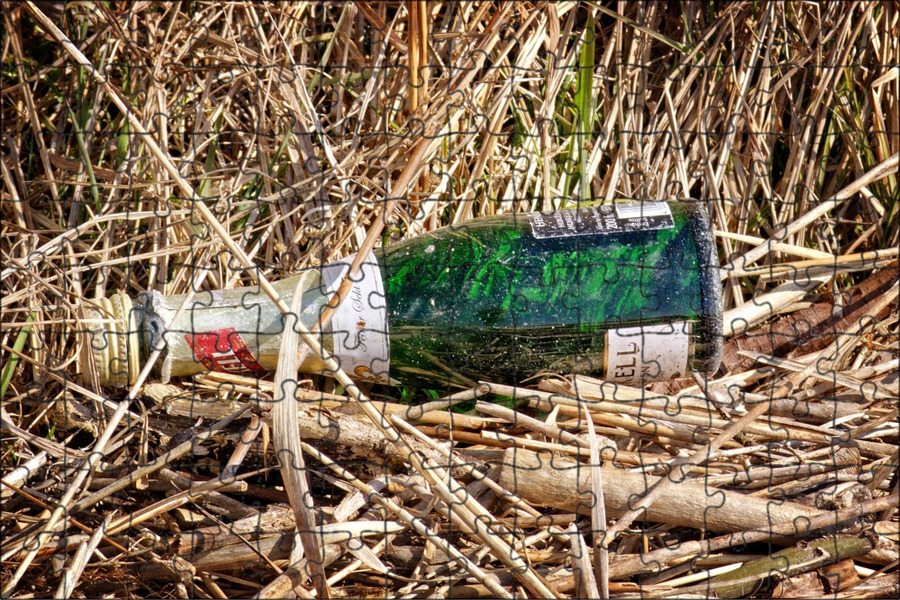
565	484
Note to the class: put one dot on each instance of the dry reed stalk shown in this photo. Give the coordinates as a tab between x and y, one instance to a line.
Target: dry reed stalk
287	447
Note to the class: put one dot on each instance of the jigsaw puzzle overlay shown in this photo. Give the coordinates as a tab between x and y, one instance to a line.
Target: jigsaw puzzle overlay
424	299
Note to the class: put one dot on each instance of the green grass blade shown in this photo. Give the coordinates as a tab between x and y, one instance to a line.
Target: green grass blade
585	81
583	126
206	183
10	367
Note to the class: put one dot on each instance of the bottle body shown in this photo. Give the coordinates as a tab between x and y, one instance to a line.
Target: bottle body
627	292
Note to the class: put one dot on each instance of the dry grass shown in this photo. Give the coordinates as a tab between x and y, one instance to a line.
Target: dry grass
313	130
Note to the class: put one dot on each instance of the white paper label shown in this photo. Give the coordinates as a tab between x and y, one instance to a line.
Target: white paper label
629	210
602	219
359	324
636	355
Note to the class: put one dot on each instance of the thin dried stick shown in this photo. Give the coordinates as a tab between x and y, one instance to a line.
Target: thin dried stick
409	519
880	171
598	510
72	573
160	462
288	449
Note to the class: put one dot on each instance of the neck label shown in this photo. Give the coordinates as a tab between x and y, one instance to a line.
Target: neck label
359	325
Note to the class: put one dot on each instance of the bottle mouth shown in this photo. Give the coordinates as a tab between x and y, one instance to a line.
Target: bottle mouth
114	340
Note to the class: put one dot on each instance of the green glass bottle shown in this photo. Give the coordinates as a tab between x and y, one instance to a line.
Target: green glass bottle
627	291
